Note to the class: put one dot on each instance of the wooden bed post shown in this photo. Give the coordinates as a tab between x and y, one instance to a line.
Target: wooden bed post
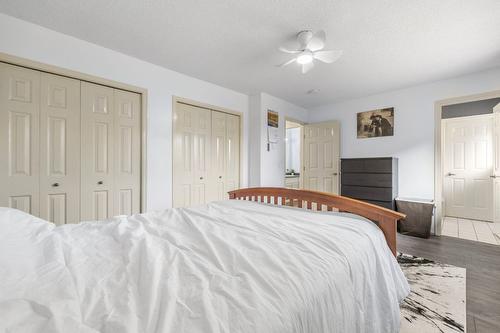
389	228
385	219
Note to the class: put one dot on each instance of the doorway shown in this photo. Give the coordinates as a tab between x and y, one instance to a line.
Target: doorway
293	154
312	156
470	153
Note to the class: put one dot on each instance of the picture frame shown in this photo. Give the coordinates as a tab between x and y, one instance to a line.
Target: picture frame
272	118
375	123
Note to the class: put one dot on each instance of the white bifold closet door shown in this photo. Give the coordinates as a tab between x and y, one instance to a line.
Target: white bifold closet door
59	149
225	154
206	155
71	149
191	155
110	175
232	148
98	158
127	145
19	127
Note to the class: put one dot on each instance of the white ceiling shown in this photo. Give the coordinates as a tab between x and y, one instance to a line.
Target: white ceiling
387	44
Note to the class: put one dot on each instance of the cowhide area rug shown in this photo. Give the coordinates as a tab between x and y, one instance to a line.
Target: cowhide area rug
437	299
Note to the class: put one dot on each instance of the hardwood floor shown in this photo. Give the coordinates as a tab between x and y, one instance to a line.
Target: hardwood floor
482	262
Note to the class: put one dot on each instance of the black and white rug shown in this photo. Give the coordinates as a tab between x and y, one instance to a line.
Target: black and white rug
437	299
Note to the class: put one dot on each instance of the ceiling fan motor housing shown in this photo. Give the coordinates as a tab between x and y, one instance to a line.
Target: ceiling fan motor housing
304	37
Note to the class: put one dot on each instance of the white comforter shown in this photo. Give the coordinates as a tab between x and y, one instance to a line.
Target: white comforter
231	266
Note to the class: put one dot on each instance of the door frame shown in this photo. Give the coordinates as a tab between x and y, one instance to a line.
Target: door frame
51	69
438	148
177	99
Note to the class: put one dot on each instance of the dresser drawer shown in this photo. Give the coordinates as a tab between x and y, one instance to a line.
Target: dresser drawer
370	165
385	204
368	193
368	179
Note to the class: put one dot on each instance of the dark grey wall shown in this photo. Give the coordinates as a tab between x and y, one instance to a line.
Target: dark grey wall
469	109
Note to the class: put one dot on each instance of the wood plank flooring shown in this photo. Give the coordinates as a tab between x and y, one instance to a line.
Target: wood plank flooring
482	262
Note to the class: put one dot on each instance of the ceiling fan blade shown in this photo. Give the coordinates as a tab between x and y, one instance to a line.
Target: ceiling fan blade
282	49
286	63
307	67
317	42
327	56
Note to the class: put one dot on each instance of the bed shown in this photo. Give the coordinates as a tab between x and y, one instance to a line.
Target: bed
261	262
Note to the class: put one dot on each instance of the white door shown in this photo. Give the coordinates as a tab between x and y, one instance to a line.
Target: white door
322	157
19	141
191	155
225	171
496	164
60	149
468	167
232	155
127	154
97	136
218	156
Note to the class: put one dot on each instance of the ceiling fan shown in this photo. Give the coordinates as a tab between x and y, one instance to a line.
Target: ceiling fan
310	49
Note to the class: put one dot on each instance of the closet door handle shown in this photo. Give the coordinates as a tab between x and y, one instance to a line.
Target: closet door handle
493	176
201	178
55	185
220	177
100	182
451	174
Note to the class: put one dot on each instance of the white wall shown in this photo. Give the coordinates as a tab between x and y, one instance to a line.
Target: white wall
413	140
268	167
254	139
23	39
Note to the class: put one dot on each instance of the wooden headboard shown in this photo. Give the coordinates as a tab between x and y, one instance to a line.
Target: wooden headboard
386	219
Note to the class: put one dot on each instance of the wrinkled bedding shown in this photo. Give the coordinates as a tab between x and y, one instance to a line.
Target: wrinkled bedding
229	266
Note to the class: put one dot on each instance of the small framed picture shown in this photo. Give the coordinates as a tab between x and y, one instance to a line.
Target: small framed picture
375	123
272	118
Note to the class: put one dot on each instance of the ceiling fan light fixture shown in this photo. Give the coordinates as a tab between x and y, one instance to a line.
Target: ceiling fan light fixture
311	48
305	58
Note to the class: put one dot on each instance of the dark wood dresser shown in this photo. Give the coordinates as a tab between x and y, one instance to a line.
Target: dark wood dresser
374	180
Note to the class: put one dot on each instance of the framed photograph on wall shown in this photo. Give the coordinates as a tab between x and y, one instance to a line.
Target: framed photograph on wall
375	123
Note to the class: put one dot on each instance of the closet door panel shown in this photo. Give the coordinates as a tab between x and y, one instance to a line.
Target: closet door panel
201	156
97	141
232	147
184	131
60	149
191	155
218	172
19	138
127	164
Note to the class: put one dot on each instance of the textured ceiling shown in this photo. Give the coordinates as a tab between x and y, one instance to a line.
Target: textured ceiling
387	43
